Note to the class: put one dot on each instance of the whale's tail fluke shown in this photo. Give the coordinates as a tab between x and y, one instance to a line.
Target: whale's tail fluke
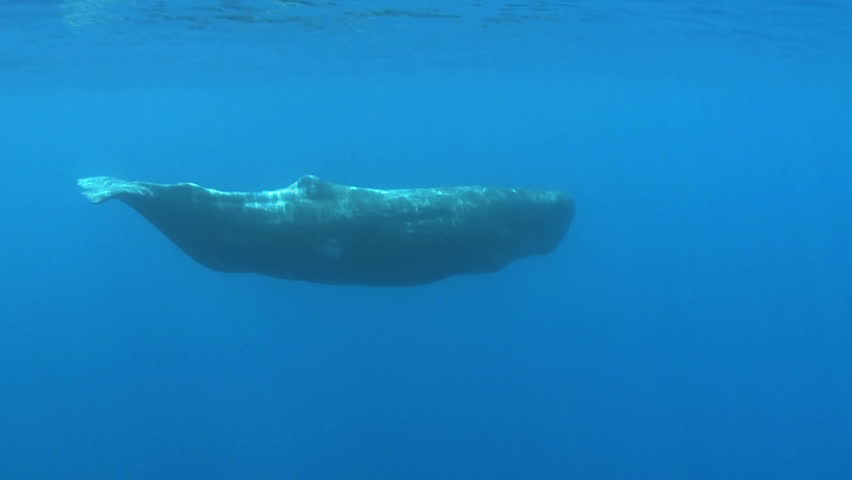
101	189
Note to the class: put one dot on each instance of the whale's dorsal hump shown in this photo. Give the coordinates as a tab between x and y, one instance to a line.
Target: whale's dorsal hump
313	187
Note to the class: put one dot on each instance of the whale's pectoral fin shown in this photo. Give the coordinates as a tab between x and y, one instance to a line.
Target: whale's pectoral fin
101	189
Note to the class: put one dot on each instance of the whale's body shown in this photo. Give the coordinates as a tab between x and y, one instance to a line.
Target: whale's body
322	232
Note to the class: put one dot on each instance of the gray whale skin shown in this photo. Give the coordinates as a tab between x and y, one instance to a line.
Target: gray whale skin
317	231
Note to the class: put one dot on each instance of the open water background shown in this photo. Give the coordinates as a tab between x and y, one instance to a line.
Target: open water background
695	323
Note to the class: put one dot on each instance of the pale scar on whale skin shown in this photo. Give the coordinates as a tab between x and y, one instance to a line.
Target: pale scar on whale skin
317	231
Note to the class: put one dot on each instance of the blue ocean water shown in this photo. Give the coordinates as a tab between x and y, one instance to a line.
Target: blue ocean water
694	323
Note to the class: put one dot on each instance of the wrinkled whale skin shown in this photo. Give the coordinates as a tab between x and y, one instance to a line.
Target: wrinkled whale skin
323	232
